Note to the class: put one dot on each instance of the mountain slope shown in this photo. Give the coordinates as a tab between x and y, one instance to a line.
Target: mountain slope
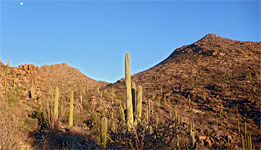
218	77
213	83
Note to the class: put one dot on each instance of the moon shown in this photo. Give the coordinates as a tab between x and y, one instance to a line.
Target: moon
21	3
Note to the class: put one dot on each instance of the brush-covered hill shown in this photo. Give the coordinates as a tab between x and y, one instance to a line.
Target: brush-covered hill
214	81
26	93
47	78
68	78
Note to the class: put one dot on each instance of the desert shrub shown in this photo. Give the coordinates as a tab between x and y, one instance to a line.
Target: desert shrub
79	118
9	132
13	96
147	135
31	124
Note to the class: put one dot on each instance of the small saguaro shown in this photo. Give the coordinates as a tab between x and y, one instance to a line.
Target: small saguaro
104	131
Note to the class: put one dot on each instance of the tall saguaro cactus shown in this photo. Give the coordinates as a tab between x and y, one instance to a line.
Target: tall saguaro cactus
56	102
71	110
128	92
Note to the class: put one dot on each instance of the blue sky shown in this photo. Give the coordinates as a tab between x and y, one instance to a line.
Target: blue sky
93	36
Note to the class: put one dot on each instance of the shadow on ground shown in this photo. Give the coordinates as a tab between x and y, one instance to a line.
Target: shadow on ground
54	139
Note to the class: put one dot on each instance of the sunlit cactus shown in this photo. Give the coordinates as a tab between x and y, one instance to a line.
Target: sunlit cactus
56	103
128	92
71	110
122	113
104	131
192	136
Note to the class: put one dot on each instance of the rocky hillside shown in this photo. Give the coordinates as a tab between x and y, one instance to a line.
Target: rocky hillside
214	81
68	78
26	89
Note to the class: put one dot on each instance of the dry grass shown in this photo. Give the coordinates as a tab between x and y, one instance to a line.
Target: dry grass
9	132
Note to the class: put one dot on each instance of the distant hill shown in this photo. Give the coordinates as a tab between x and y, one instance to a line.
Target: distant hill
68	78
47	78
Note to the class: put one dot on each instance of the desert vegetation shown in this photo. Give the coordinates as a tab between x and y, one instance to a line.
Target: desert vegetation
203	96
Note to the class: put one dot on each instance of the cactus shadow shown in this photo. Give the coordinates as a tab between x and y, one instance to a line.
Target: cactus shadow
246	108
55	139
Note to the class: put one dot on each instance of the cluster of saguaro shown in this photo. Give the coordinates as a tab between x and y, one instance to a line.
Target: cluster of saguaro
53	118
246	139
134	105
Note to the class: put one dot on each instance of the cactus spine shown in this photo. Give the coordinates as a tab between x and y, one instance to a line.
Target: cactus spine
71	110
128	92
138	105
56	102
103	131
